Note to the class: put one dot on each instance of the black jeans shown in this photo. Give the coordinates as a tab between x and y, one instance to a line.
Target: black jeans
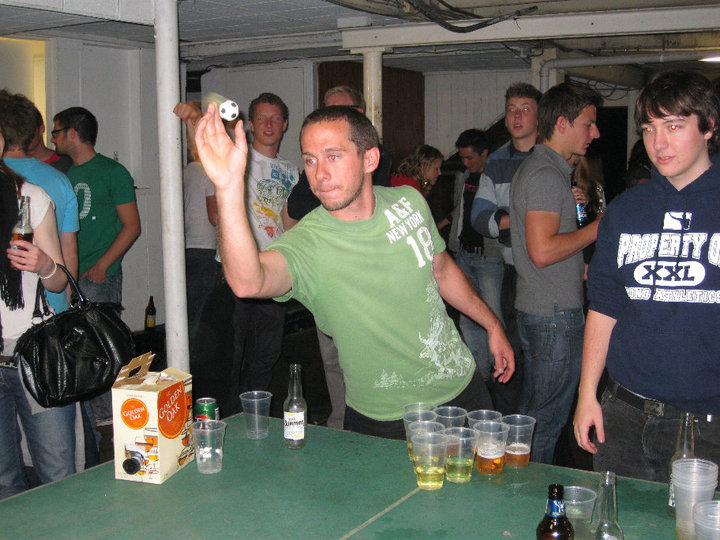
640	445
475	396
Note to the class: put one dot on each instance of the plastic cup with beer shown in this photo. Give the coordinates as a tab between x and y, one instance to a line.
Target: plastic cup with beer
482	414
490	439
451	416
460	454
694	481
256	410
208	440
706	516
429	459
421	426
519	442
416	415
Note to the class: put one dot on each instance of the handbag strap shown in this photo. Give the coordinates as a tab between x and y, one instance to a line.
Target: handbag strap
76	295
42	309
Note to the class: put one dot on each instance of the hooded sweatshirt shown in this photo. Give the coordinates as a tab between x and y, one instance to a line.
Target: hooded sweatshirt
656	271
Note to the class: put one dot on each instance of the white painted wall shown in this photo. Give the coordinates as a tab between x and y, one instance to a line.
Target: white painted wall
456	101
294	82
118	86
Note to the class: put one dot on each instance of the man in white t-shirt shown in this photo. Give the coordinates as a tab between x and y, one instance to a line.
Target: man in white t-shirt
259	323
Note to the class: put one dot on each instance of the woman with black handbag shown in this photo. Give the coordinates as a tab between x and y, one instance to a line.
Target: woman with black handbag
49	433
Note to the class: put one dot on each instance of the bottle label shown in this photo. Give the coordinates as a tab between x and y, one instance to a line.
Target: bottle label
294	426
555	508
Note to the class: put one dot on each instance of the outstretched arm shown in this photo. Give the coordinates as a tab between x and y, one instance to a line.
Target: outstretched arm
595	347
457	290
248	272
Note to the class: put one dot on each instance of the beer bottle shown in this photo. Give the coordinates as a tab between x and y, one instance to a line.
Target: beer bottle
582	216
150	314
294	411
22	229
608	527
555	524
684	448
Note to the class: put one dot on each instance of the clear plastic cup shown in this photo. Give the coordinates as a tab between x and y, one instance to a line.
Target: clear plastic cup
579	504
460	454
483	414
422	426
451	416
208	440
256	410
519	441
490	439
694	481
429	459
706	516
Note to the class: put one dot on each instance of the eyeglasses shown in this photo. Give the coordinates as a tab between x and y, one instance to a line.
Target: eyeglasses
54	132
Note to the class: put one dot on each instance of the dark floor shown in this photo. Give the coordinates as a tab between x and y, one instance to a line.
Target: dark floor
210	361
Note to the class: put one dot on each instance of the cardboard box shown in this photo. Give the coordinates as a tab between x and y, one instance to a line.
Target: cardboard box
152	414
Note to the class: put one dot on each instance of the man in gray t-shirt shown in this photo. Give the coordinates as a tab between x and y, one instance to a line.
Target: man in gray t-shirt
547	250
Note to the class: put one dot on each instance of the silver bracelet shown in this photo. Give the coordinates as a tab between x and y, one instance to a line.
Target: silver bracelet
51	274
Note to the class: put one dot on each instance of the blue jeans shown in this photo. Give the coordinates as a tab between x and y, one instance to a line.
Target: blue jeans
640	445
485	275
109	290
553	355
50	437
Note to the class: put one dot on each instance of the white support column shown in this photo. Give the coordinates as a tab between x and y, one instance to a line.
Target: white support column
372	82
173	231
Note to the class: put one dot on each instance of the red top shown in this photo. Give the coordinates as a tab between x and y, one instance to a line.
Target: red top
404	180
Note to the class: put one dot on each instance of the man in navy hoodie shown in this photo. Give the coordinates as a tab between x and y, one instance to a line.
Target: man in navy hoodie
654	287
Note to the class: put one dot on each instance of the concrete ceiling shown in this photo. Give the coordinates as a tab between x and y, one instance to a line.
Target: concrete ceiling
242	32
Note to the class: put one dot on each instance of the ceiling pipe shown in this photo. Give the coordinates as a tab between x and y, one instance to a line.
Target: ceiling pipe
662	57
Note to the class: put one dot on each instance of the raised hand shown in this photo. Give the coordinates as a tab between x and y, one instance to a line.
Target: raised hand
224	161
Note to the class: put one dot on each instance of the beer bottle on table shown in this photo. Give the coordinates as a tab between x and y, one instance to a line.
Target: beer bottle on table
555	524
294	412
684	448
608	527
150	314
22	229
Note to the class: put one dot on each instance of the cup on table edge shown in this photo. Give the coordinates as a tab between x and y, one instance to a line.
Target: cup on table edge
429	459
706	516
421	426
460	454
694	481
450	416
579	504
490	439
482	414
519	441
208	438
256	410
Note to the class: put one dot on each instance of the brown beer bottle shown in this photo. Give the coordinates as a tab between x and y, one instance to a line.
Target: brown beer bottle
22	230
555	524
150	315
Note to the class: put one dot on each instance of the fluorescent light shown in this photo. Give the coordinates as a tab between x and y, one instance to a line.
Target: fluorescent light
711	59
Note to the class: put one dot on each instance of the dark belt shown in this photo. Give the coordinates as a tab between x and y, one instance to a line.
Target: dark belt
477	250
651	407
8	362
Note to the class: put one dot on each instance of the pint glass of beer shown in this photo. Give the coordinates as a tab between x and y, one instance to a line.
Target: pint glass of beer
490	439
517	450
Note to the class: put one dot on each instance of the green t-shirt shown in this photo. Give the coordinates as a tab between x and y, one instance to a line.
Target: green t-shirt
100	184
370	286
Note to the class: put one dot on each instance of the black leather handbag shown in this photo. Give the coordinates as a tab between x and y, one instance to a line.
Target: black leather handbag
76	354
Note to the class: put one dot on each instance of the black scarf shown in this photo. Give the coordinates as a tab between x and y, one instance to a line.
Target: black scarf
10	279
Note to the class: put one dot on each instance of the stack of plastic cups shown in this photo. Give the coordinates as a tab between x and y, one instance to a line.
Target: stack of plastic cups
694	481
706	516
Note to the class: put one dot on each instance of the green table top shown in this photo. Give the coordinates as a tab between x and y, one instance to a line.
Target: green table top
341	485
